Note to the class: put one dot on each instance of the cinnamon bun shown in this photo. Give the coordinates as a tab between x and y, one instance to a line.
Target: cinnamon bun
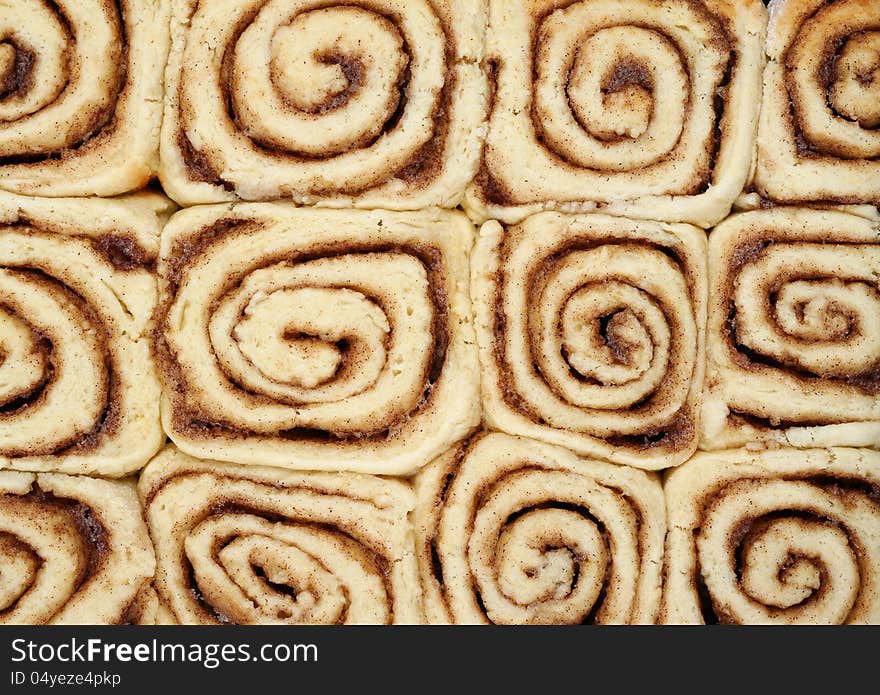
514	531
317	339
248	545
370	103
591	334
81	95
630	107
78	389
794	330
74	550
777	537
819	136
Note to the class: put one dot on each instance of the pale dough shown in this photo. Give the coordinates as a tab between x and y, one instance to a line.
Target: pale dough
82	89
317	339
513	531
778	537
341	542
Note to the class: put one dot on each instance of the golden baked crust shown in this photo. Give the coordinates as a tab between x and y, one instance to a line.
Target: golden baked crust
591	333
79	390
373	104
317	339
635	108
81	95
341	542
794	330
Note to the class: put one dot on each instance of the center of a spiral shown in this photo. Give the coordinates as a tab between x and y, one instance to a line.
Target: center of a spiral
854	91
611	345
282	337
801	572
815	311
279	582
297	357
313	338
15	68
615	330
626	89
322	59
774	563
314	81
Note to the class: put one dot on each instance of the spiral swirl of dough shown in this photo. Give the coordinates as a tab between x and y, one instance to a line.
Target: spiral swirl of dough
251	545
590	332
74	550
317	339
513	531
374	101
80	95
794	330
819	136
78	392
786	536
647	109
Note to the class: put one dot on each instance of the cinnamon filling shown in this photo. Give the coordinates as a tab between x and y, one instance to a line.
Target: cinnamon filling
675	434
95	539
208	425
93	125
426	162
378	565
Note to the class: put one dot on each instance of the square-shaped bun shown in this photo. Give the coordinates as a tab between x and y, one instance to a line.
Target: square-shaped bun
81	95
819	137
641	108
373	105
794	330
317	339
